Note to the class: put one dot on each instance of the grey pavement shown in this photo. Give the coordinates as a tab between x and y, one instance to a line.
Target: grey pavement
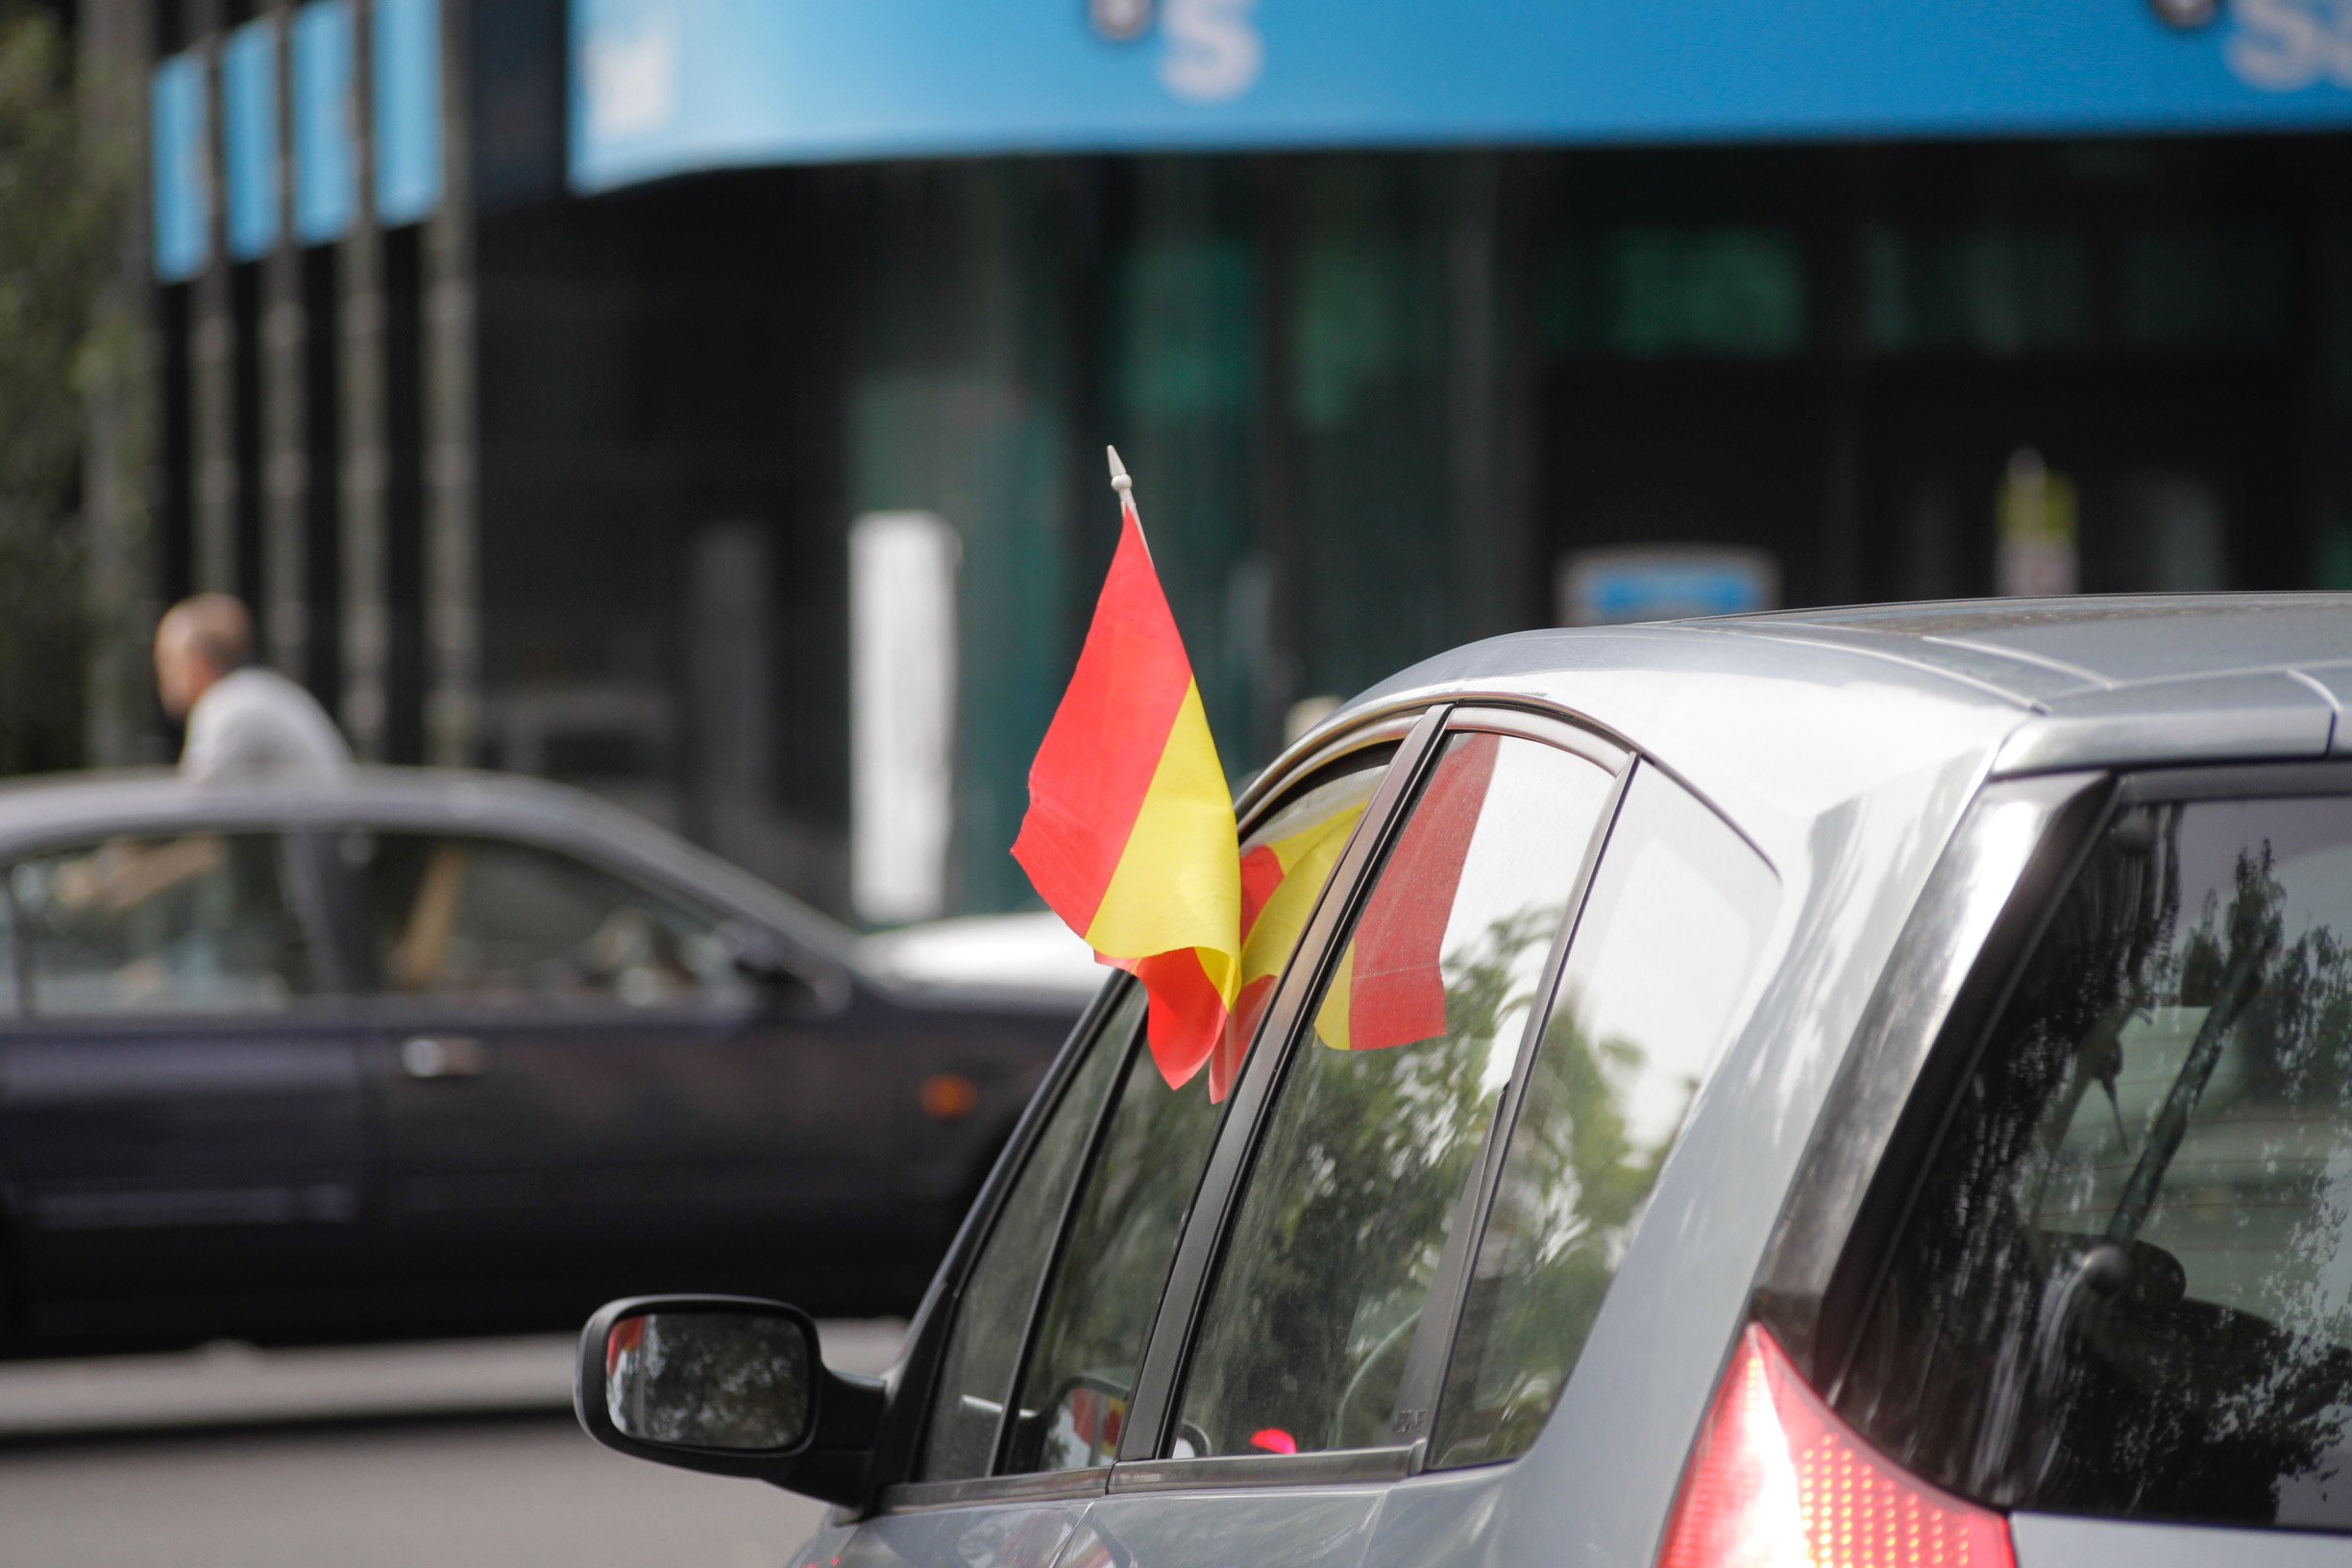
452	1455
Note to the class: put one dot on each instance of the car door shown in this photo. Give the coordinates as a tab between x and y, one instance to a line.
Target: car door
182	1130
579	1089
1030	1363
1290	1378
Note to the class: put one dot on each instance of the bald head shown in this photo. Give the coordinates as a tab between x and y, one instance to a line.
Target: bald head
198	641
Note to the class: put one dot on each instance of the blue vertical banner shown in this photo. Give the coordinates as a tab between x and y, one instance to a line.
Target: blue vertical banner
183	182
325	122
406	76
249	138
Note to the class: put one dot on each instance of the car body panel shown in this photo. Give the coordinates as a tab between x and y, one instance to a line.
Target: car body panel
1310	1527
1011	1534
198	1158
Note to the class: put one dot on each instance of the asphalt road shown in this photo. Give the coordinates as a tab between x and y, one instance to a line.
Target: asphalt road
449	1456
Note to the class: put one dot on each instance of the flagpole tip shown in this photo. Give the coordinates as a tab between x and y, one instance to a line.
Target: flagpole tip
1120	480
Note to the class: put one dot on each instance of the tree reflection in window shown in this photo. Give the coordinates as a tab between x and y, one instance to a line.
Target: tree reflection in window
2170	1086
1662	954
1369	1150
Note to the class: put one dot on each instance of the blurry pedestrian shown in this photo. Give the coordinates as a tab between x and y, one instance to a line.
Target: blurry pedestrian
243	721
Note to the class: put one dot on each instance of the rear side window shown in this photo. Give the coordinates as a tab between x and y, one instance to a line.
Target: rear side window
1663	952
1377	1124
2125	1284
199	922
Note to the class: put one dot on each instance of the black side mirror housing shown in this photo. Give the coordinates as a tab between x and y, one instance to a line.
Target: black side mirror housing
778	972
730	1385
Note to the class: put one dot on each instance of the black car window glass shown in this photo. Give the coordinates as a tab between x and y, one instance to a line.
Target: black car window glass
492	920
199	923
1073	1400
1662	953
2125	1287
977	1370
1378	1123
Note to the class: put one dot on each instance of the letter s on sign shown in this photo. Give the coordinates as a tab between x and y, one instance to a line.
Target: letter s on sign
2278	44
1214	50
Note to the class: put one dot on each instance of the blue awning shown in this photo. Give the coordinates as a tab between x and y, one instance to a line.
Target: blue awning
669	86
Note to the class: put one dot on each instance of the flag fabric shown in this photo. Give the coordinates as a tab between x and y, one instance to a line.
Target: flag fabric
1130	834
1279	879
1389	987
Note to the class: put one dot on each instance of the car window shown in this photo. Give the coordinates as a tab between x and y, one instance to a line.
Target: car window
1114	1267
1377	1125
2125	1287
493	920
985	1344
1663	952
1123	1225
198	923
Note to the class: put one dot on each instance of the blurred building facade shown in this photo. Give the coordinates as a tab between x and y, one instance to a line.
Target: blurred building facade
560	351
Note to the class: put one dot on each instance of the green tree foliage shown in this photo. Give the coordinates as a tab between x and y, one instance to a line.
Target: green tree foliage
60	200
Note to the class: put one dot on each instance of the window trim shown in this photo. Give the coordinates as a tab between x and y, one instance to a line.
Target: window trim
1168	1355
1037	1486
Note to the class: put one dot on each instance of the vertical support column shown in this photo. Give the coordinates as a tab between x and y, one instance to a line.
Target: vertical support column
1490	406
286	464
116	50
364	480
453	611
212	392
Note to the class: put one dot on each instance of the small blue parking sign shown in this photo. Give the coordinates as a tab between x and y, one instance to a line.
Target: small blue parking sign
1612	587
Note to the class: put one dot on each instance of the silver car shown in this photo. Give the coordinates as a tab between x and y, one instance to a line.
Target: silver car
1867	1087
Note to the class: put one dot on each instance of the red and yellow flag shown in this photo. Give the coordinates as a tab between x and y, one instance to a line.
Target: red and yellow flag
1130	832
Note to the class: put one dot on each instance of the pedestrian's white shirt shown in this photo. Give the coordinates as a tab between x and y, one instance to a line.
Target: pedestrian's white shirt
255	723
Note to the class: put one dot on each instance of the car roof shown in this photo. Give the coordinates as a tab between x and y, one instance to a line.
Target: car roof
1805	708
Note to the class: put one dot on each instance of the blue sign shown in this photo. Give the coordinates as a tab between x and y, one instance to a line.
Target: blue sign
248	136
407	44
666	86
182	183
1612	587
325	153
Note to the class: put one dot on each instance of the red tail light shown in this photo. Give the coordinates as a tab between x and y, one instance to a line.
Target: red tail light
1778	1481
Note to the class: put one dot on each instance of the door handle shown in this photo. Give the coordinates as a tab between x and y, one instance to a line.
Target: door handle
441	1056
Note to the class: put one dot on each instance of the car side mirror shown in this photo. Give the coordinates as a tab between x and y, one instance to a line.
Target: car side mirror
775	972
732	1386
